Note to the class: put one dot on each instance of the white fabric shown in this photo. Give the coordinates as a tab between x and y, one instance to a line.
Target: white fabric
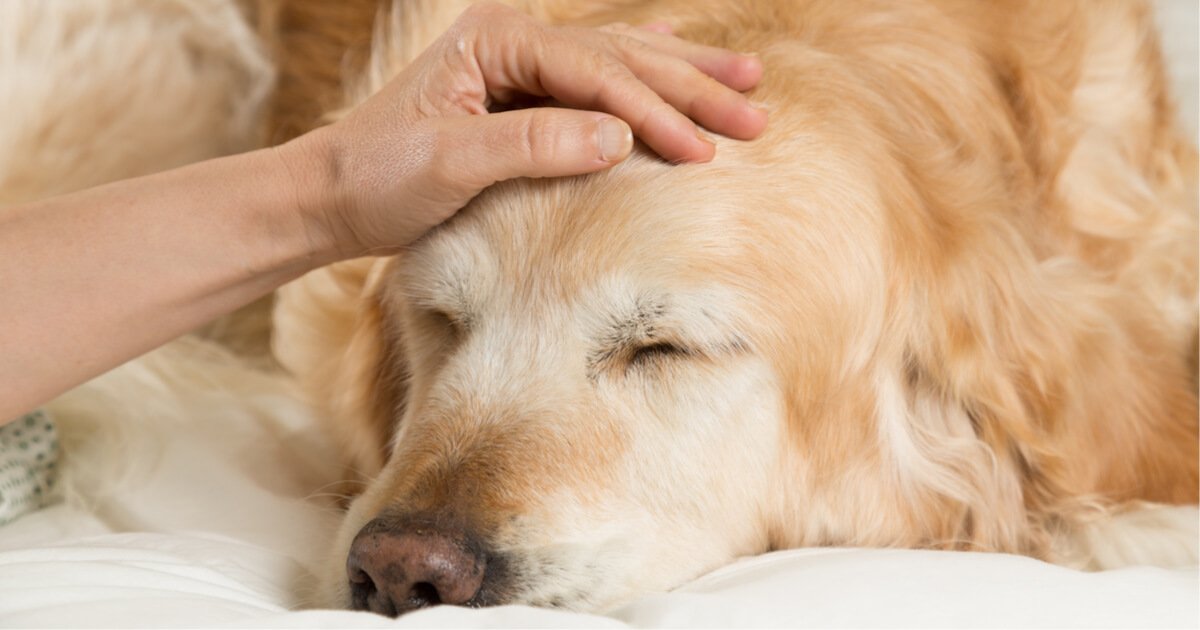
59	570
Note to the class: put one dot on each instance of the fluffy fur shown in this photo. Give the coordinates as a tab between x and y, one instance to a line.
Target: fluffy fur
947	300
133	88
99	91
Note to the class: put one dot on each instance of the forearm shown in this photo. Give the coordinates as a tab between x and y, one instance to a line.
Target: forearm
93	279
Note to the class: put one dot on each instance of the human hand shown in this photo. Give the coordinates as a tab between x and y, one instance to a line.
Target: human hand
410	156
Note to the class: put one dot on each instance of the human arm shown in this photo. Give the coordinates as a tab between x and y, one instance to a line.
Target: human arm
95	278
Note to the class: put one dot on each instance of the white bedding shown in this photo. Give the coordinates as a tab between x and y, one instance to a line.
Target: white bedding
203	507
93	579
64	568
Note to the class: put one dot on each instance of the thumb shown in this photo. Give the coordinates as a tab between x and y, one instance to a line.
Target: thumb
536	142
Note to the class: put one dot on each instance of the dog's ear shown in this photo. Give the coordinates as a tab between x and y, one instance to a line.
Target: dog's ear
1081	401
1052	311
333	332
371	385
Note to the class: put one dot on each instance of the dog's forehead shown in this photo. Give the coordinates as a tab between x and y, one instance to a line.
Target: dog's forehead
627	237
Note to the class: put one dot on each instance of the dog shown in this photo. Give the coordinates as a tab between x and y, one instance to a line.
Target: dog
948	300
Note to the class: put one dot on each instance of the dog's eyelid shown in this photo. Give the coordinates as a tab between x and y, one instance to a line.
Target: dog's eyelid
678	346
654	349
647	353
457	322
696	337
445	300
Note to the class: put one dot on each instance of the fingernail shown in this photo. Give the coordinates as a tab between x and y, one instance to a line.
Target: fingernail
763	107
616	139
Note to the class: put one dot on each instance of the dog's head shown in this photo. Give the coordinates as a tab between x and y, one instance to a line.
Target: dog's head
592	401
849	331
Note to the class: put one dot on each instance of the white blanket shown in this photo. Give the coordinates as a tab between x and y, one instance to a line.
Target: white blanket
62	568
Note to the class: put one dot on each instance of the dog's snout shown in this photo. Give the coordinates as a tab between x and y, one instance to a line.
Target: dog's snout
393	572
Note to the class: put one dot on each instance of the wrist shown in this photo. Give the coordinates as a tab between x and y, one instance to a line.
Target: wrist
309	183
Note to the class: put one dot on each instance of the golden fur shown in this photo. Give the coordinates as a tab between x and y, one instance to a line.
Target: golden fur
315	44
947	300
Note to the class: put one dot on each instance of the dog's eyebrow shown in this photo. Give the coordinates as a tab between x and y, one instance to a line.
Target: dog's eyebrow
706	317
640	324
447	293
701	321
449	275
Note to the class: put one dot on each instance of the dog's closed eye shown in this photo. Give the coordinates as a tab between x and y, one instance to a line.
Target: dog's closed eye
622	358
456	324
657	351
443	325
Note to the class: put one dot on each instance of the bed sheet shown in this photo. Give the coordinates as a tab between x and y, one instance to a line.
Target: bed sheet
188	579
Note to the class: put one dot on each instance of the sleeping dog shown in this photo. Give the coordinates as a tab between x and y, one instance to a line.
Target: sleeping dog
947	300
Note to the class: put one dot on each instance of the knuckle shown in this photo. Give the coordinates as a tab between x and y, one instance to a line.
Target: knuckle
630	53
541	138
612	70
438	156
667	111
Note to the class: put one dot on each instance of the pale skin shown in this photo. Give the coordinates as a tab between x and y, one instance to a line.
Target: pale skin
93	279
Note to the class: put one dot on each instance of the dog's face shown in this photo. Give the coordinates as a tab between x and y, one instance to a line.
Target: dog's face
595	402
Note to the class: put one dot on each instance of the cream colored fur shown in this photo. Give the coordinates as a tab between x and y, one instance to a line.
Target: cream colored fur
948	300
99	91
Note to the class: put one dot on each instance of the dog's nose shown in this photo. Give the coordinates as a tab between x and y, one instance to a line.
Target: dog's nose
393	572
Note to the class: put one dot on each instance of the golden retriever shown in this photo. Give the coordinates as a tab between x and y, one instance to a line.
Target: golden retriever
947	300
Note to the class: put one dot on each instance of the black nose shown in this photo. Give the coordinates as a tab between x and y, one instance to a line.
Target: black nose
392	572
